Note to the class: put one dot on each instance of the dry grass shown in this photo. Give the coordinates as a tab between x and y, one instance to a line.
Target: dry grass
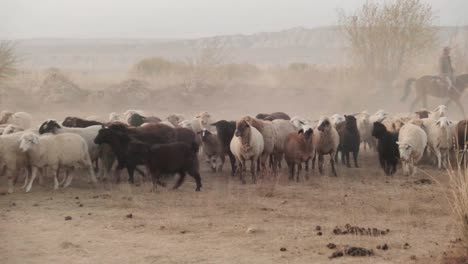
458	196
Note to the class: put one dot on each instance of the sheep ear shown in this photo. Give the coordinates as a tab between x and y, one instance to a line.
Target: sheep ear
398	143
300	131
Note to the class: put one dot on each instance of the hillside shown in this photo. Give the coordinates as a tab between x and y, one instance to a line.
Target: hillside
317	46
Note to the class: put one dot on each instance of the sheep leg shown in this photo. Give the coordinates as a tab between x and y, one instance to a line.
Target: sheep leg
233	163
156	179
348	162
222	159
69	177
64	179
11	176
196	175
213	163
291	170
131	170
56	182
332	163
355	155
242	170
307	169
142	173
439	158
28	173
252	169
320	163
299	170
33	176
313	160
180	180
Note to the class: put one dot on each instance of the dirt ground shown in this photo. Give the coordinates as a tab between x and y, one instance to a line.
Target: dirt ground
273	221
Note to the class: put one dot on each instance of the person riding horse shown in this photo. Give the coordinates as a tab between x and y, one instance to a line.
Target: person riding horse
445	68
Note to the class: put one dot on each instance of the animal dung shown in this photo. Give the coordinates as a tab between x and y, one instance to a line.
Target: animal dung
68	218
356	230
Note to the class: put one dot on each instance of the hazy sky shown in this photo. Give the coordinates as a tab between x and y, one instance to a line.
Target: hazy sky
180	18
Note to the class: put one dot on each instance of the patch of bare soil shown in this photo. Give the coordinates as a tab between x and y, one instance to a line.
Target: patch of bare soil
272	222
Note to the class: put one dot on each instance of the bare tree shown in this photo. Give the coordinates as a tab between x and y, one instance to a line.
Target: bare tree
8	59
385	37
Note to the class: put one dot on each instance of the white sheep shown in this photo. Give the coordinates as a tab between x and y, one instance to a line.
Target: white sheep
282	129
412	141
175	119
12	159
268	132
326	142
213	150
88	133
365	129
68	151
439	138
10	129
378	116
198	123
337	119
438	112
247	144
21	119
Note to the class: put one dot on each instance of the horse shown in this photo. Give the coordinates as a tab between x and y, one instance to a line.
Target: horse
429	85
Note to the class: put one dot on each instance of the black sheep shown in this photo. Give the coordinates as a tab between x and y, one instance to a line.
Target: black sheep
79	122
349	140
172	158
225	131
387	148
119	142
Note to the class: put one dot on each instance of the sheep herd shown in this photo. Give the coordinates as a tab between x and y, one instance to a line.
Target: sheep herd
149	145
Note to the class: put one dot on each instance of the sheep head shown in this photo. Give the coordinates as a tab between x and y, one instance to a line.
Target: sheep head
405	150
325	125
443	122
242	127
49	126
69	122
307	131
28	140
378	130
205	118
351	121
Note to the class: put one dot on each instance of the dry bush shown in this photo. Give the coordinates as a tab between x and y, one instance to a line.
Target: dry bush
458	196
156	66
385	37
8	59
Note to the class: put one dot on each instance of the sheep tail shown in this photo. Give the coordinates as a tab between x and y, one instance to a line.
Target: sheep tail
408	84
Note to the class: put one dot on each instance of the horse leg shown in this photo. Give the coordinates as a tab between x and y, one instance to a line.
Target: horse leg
424	101
413	104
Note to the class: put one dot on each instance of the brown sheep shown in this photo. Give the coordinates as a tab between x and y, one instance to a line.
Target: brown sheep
298	148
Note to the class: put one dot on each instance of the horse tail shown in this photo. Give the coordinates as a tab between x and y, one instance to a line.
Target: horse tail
408	84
